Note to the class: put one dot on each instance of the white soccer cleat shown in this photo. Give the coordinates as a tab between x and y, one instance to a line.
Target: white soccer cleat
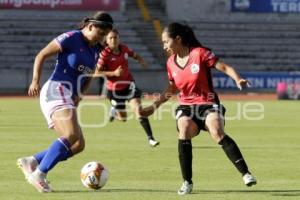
153	143
27	165
38	180
249	180
185	188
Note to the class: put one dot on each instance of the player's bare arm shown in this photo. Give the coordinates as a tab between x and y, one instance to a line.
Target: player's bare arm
51	49
100	70
84	88
230	71
163	97
140	60
166	95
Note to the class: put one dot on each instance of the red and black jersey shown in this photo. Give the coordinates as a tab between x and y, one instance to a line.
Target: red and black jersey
112	61
194	80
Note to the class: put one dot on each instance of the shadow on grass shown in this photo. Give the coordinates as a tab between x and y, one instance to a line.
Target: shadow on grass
116	190
270	192
243	147
206	147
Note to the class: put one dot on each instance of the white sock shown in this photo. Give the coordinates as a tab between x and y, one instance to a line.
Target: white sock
112	111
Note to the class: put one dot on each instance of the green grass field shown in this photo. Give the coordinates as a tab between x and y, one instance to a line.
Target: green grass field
270	146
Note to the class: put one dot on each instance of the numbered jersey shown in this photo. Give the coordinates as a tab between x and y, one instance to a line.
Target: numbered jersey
111	62
194	80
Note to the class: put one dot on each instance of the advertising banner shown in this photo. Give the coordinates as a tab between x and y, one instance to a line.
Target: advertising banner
259	80
105	5
267	6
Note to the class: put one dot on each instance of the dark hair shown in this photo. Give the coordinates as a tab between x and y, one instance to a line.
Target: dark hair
185	32
100	19
114	30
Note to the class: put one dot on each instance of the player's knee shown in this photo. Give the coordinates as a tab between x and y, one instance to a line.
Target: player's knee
183	136
81	145
183	126
138	111
78	146
122	116
72	136
217	134
185	131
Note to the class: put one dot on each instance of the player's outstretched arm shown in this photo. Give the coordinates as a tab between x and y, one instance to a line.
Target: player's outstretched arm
162	98
51	49
141	60
231	72
100	71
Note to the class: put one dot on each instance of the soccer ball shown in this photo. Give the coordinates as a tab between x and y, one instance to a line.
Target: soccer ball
93	175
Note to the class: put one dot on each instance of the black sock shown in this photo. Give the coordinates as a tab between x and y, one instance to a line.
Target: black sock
233	153
185	159
144	121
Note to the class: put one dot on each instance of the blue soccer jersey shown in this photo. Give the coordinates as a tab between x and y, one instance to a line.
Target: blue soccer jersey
76	58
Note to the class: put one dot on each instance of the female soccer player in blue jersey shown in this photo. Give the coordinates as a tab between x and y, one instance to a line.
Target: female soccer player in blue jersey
77	54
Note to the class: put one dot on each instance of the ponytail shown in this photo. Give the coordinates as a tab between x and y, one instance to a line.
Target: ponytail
190	39
185	32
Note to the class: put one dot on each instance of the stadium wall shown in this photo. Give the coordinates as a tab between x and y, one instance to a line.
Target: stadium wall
188	10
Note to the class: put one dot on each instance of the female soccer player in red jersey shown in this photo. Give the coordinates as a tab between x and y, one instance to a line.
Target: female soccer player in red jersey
113	63
77	54
189	71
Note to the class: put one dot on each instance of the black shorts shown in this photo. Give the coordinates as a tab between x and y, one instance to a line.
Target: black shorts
198	113
119	97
